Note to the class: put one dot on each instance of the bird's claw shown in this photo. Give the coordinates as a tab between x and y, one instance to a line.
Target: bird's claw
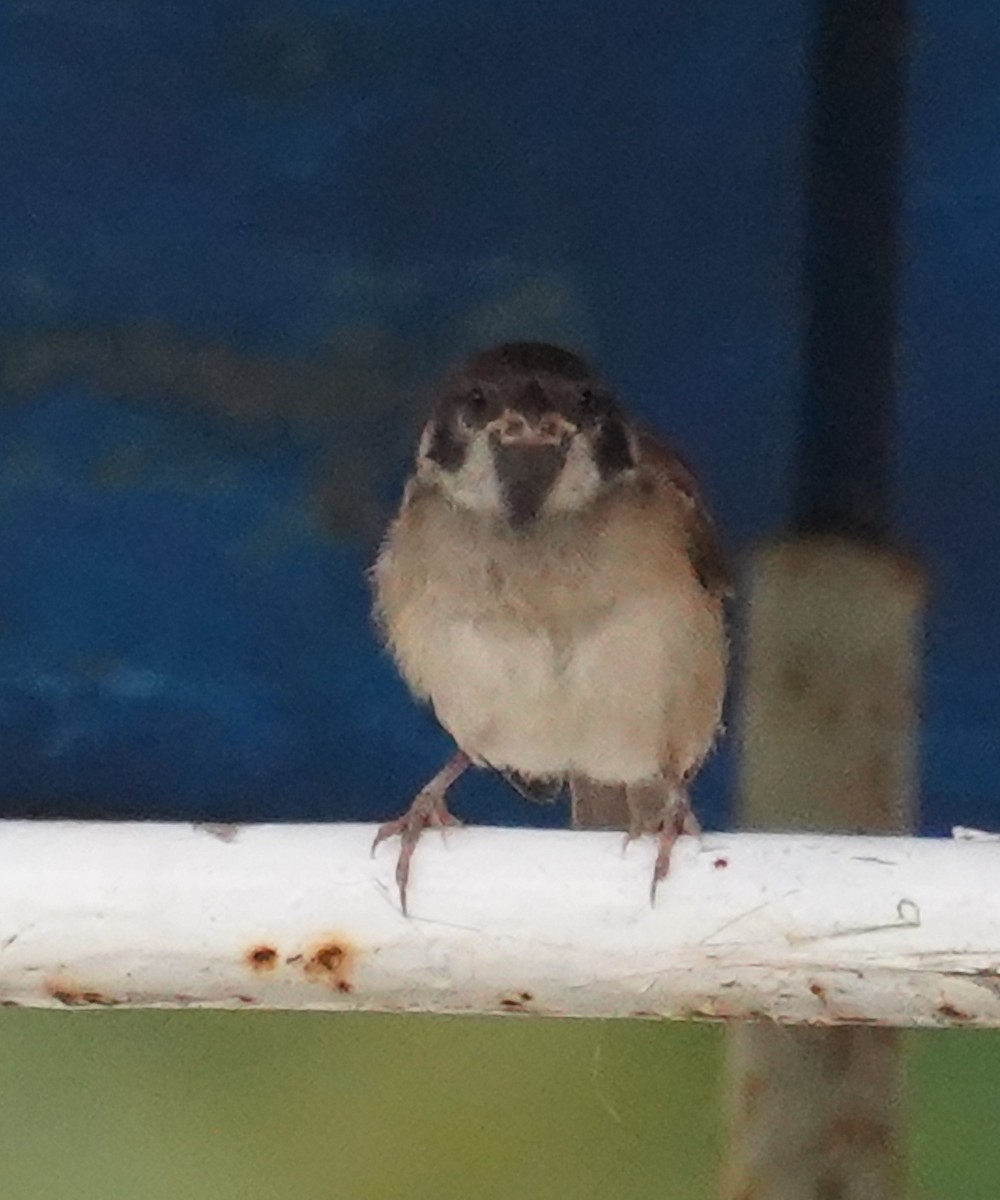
428	810
668	823
673	824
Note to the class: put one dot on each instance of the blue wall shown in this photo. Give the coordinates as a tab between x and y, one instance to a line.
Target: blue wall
237	240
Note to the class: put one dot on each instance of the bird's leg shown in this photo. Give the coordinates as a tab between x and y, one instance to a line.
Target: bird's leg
428	809
661	807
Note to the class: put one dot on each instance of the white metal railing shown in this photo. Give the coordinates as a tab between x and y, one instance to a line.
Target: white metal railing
798	928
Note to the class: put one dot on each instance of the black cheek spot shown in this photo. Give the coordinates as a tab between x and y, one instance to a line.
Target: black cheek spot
612	453
446	448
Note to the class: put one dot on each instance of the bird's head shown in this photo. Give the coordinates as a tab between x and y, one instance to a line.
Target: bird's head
525	431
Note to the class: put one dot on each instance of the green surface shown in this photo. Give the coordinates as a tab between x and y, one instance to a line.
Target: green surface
244	1106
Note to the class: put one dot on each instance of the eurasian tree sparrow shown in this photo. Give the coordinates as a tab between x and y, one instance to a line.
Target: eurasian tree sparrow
553	586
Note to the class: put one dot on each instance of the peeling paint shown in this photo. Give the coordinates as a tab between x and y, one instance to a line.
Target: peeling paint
217	829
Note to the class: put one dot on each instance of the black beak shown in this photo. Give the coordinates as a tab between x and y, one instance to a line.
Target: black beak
526	472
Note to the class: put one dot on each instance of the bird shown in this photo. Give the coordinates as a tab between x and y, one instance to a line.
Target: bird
554	587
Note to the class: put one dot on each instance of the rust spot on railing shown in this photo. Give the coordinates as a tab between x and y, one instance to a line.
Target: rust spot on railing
944	1009
76	997
330	960
516	1003
261	958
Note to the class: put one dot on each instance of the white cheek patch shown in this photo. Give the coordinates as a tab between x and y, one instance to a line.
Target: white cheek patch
474	485
578	482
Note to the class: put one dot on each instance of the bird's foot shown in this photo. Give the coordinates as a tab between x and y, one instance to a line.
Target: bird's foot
428	810
667	820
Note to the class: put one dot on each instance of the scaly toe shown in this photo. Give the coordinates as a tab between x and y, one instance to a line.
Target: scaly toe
428	810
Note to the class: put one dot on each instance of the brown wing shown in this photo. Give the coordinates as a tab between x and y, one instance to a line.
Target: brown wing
663	461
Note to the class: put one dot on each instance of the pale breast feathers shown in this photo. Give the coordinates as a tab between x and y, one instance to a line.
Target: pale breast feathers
592	650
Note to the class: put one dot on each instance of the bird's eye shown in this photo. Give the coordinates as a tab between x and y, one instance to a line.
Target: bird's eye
475	405
592	405
471	410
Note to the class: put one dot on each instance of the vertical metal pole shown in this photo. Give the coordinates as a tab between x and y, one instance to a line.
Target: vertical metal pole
829	721
851	268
